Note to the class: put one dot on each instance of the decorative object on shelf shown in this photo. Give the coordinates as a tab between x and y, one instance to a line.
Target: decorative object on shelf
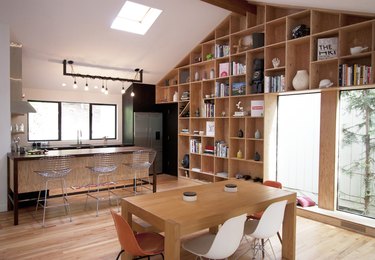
196	76
185	96
189	196
223	113
301	80
185	161
257	134
138	77
256	156
197	112
258	40
207	96
224	69
209	56
240	133
275	62
201	132
357	49
230	187
257	78
175	96
239	154
244	44
300	31
198	59
240	111
325	83
327	48
212	74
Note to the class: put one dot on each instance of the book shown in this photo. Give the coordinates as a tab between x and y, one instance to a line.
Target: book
257	108
210	128
238	88
327	48
224	69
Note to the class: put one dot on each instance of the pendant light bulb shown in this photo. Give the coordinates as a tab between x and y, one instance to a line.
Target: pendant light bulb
75	84
86	86
106	91
132	94
123	90
103	89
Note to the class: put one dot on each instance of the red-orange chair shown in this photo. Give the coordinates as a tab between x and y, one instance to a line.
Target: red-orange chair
137	244
258	215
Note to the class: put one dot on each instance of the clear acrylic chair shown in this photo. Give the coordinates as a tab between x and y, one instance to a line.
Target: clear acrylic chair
139	167
54	168
101	170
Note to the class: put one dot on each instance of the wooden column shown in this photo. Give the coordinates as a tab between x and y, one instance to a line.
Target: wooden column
328	147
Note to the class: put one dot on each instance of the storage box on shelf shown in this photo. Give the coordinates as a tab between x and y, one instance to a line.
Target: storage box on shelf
222	70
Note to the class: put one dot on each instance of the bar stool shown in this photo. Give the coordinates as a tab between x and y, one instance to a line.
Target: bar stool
54	168
103	167
140	165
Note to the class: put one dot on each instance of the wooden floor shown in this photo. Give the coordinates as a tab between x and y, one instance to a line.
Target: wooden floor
90	237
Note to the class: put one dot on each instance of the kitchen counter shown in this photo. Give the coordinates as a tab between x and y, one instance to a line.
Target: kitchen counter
23	179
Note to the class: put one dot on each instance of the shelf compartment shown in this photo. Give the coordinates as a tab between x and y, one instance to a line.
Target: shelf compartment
251	57
296	49
253	147
208	164
221	107
196	55
276	51
245	103
208	89
351	19
208	48
222	132
356	35
201	71
195	162
324	21
237	124
184	75
243	40
324	70
275	31
237	145
237	23
315	47
183	172
256	19
274	12
243	168
222	29
221	166
297	19
196	99
252	125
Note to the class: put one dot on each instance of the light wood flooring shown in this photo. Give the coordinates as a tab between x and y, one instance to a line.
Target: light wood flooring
91	237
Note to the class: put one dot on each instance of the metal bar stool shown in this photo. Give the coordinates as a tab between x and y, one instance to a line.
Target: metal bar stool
103	167
54	168
140	165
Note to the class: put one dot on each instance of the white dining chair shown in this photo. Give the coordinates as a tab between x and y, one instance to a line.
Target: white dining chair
219	246
264	228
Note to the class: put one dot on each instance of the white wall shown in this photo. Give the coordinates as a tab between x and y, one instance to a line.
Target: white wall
74	96
4	112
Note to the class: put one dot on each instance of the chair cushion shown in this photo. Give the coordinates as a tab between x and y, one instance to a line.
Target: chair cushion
200	245
305	201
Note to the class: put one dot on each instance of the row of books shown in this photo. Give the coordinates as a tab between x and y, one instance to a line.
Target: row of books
221	149
232	68
195	146
209	109
221	50
274	83
353	75
221	89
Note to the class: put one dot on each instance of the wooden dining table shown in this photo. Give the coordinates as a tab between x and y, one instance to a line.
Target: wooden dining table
168	212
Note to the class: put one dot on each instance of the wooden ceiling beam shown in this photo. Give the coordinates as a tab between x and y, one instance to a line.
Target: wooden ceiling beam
237	6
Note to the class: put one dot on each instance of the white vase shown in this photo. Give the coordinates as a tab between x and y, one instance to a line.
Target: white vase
301	80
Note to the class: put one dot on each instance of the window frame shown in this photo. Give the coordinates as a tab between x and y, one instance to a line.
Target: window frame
91	116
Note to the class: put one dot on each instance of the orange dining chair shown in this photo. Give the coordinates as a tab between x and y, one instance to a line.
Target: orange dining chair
258	215
137	244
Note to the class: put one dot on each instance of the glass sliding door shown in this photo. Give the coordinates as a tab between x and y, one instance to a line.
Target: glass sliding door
356	178
298	137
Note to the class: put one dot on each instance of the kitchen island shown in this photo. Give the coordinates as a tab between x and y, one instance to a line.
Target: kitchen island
23	179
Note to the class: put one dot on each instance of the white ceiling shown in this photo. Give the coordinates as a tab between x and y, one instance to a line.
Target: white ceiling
79	30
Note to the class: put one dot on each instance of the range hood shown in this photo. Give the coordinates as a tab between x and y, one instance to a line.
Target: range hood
17	105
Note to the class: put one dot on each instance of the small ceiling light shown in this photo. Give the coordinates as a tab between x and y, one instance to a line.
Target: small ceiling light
63	84
96	86
123	89
75	84
106	91
103	89
86	86
132	94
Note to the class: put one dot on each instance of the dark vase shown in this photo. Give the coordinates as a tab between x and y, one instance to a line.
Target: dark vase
240	133
256	156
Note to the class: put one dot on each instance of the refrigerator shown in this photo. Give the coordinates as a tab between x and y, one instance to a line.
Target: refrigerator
148	132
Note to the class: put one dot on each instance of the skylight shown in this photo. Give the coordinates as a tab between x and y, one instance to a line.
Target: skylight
135	18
